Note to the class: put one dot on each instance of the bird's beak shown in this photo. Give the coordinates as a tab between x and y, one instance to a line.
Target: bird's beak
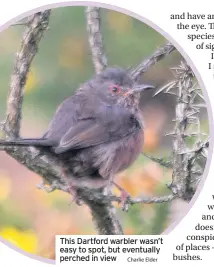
140	88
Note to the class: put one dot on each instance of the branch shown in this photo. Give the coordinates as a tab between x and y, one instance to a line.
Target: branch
98	197
95	38
32	158
181	174
159	54
187	115
29	47
104	217
108	212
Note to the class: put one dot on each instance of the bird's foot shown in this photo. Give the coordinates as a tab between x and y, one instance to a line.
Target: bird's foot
124	196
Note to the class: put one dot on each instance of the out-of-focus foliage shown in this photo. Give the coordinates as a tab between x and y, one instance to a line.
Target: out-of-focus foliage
30	218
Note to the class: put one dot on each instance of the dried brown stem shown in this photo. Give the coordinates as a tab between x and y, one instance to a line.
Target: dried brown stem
95	38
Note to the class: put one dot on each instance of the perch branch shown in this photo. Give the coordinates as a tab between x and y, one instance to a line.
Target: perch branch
152	60
95	38
104	217
99	198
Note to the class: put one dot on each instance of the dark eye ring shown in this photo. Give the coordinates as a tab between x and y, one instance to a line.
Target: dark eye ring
115	88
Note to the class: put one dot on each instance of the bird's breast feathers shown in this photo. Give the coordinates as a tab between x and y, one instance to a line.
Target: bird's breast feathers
117	156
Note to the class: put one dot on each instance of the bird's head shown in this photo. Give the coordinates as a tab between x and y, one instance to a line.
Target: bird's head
115	86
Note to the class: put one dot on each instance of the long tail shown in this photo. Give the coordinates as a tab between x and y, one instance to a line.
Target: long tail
27	142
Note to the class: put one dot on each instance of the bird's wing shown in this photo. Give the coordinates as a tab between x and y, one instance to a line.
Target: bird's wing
110	123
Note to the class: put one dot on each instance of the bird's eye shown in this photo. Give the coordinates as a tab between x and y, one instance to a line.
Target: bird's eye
115	89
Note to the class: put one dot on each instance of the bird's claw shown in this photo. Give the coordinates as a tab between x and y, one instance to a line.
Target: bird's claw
124	197
125	200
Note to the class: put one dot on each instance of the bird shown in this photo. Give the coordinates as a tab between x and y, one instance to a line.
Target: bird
97	132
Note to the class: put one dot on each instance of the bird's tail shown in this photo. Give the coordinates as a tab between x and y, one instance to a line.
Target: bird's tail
40	142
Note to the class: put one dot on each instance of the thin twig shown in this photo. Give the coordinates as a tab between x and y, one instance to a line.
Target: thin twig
152	60
23	22
18	24
95	38
148	200
165	163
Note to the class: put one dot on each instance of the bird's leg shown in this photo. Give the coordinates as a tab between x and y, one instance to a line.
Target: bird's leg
124	195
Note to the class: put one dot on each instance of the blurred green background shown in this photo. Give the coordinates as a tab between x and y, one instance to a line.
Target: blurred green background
30	218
